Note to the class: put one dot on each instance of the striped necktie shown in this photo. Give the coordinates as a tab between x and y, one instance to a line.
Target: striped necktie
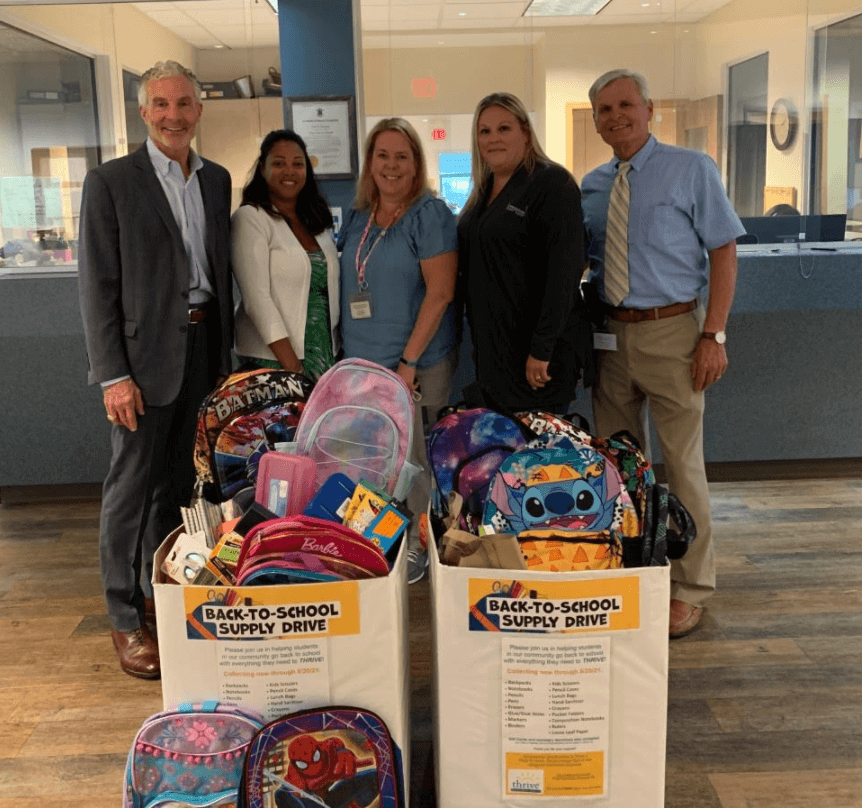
617	238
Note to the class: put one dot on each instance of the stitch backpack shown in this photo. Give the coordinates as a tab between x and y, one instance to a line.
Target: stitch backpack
556	485
465	449
654	504
238	421
189	756
358	420
335	757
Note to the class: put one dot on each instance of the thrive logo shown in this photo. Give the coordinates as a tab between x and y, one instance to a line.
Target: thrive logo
526	781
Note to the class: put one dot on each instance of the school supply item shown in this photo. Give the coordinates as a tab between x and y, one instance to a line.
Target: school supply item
192	755
465	450
222	466
655	540
358	421
285	483
331	501
323	758
220	568
186	558
364	507
202	517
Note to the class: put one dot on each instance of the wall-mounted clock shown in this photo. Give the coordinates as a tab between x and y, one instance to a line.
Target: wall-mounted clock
783	124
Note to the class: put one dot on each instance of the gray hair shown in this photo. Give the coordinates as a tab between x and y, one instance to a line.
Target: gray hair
166	70
612	75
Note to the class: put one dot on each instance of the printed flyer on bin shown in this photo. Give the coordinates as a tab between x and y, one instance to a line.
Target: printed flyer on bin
556	714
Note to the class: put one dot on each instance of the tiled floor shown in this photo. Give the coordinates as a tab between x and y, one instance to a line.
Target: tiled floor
765	698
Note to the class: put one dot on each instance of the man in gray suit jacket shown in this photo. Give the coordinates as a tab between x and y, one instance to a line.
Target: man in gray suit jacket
155	292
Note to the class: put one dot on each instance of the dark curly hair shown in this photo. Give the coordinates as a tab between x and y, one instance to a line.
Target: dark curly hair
311	205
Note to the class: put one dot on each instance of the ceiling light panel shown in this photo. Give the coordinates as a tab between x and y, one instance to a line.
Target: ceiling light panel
456	14
564	8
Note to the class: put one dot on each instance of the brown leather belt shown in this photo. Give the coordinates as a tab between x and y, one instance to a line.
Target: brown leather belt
197	315
656	313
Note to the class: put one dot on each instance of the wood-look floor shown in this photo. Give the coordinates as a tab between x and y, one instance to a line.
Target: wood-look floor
765	698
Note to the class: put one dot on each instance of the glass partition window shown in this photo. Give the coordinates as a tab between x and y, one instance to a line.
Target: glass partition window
136	129
49	121
771	91
836	123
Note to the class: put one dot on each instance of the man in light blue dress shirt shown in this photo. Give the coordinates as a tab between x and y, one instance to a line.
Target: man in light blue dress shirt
665	341
156	300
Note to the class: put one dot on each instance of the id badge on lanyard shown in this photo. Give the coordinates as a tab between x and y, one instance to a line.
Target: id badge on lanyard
360	305
360	302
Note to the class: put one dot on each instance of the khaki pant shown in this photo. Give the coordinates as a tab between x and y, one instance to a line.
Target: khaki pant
435	383
652	366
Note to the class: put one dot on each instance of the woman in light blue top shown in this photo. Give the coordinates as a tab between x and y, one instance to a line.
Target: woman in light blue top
398	270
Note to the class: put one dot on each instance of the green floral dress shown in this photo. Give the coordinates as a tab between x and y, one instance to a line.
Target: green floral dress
318	330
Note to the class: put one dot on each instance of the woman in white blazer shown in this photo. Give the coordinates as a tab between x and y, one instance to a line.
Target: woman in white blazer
285	264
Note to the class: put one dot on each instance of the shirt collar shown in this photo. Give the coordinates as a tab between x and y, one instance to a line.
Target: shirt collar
640	157
162	163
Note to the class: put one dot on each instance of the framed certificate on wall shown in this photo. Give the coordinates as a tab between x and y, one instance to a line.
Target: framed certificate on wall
327	124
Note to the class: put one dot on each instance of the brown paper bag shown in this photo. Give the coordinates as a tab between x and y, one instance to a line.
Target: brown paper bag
495	551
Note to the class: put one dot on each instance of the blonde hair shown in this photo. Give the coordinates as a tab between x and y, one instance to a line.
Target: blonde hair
534	156
367	193
166	70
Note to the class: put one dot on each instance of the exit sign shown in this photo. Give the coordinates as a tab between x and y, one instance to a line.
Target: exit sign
438	134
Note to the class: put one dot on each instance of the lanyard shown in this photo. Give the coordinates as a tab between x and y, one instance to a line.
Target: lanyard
360	265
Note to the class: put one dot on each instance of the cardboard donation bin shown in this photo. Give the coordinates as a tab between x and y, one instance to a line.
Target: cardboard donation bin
279	649
550	687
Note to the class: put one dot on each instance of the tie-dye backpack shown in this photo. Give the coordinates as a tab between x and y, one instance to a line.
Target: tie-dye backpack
189	756
358	420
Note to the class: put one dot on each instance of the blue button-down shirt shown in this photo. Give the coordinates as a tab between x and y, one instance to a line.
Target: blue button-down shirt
679	211
184	197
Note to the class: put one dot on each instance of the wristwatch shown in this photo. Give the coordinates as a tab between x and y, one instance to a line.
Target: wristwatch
719	336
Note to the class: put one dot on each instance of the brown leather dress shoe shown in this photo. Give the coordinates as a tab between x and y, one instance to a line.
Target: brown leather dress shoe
683	618
138	653
150	617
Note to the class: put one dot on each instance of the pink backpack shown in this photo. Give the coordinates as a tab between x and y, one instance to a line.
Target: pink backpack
358	420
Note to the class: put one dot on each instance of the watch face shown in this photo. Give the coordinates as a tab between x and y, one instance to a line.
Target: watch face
721	337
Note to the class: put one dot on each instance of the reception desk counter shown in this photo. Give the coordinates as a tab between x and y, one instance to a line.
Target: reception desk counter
791	391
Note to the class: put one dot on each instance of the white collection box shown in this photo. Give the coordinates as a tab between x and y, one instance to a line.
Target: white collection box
550	688
279	649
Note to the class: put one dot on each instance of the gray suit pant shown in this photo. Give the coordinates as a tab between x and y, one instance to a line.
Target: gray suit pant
151	476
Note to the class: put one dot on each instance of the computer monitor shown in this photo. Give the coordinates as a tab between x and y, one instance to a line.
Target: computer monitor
829	227
792	229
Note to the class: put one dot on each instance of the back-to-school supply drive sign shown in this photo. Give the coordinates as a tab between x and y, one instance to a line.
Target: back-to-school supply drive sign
554	606
265	613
